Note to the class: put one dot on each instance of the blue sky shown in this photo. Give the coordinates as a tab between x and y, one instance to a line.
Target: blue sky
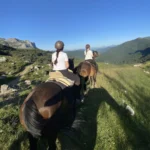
76	22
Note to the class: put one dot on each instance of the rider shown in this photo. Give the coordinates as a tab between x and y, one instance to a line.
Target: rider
60	62
89	56
88	53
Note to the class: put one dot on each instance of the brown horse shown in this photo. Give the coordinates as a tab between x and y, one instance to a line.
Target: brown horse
88	69
45	111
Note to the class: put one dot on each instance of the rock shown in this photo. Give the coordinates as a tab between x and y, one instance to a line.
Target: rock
137	65
16	43
147	72
3	59
36	67
27	61
28	82
31	67
14	90
4	88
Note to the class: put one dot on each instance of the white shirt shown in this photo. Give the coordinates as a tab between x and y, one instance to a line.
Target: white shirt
62	58
88	54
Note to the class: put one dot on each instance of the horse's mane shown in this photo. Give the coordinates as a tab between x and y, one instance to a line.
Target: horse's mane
33	120
77	69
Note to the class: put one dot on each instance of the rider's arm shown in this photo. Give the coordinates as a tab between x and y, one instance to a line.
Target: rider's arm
66	60
66	64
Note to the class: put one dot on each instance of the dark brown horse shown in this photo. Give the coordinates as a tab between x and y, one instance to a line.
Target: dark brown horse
44	112
88	69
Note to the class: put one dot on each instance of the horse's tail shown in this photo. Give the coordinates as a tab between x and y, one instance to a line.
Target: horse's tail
83	72
33	120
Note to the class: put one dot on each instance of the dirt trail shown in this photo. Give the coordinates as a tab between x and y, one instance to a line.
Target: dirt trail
20	74
26	70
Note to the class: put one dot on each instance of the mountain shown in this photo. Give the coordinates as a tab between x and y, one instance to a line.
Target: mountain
76	53
148	37
16	43
103	49
134	51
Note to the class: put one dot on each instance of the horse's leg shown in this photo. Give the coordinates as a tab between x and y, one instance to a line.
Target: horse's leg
93	83
82	86
86	84
94	78
33	142
52	141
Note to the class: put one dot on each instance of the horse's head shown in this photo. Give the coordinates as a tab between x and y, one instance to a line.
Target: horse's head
95	54
71	64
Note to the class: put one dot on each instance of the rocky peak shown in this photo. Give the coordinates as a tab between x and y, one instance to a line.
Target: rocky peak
16	43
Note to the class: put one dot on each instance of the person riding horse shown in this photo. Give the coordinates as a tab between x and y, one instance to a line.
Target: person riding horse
89	56
60	63
50	106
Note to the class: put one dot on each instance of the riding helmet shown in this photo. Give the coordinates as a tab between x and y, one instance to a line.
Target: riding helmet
59	45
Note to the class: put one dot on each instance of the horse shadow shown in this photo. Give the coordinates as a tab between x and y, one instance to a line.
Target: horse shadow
132	125
82	135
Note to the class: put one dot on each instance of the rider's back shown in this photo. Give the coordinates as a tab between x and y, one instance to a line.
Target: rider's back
62	58
88	54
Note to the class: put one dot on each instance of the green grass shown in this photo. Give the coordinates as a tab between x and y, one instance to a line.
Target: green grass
102	123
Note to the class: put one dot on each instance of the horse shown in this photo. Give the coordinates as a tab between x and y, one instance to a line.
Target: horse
44	112
87	70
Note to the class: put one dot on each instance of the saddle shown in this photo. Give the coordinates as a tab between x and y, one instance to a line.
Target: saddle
57	76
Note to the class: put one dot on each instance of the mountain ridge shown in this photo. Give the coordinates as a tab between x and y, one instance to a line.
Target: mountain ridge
128	52
17	43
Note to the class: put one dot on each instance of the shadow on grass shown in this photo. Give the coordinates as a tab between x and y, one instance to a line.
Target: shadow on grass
137	133
7	80
18	100
84	129
16	145
82	135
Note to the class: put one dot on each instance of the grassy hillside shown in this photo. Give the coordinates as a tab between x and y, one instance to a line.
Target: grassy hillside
76	54
19	58
134	51
101	122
